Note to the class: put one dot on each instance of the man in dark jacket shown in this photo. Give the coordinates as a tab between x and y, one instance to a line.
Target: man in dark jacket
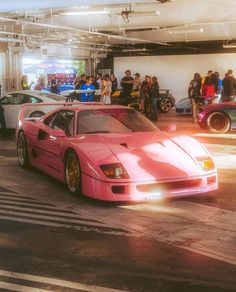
229	86
2	119
154	96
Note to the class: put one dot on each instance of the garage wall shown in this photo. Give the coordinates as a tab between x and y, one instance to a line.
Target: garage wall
175	72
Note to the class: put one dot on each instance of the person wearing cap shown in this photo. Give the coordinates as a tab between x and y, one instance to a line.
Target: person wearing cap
229	86
137	81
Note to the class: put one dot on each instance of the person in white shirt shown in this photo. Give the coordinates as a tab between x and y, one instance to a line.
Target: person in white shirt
106	91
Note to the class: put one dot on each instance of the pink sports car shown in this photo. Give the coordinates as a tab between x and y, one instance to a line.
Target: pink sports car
113	153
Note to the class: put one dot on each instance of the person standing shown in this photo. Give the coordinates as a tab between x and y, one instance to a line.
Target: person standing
114	83
137	81
127	82
99	80
229	86
106	91
53	85
194	90
144	96
208	88
2	119
24	83
88	96
154	96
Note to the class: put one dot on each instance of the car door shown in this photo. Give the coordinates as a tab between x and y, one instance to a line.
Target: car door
51	145
11	105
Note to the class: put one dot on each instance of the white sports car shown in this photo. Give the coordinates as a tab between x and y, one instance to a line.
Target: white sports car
13	101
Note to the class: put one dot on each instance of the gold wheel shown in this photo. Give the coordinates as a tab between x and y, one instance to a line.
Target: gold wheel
22	150
72	172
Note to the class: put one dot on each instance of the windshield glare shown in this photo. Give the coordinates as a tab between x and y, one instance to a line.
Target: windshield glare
113	121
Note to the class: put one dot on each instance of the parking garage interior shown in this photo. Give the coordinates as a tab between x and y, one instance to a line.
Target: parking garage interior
171	232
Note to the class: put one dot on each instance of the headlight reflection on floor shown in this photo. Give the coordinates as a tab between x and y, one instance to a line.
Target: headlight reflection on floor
153	207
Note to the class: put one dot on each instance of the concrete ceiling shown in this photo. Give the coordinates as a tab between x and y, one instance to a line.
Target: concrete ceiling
120	26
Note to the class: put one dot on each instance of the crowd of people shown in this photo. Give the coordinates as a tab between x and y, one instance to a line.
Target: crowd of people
148	92
211	86
148	89
207	86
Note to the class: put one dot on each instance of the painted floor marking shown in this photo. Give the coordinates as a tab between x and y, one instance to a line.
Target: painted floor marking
30	210
56	282
20	288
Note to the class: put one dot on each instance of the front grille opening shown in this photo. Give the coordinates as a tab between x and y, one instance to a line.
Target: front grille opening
167	186
118	189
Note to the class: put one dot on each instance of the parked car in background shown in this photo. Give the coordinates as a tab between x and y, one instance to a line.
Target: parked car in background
12	102
218	118
184	106
114	153
165	104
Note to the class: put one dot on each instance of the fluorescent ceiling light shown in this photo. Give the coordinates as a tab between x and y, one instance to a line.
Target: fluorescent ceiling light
85	12
229	46
135	50
186	31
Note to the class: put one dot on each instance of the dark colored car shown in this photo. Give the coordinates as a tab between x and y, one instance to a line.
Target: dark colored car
218	118
165	104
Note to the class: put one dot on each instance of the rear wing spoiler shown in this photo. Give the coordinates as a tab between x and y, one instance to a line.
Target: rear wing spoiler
35	111
79	91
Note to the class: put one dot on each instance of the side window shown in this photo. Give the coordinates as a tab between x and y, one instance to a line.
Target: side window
33	99
63	120
23	98
49	119
10	99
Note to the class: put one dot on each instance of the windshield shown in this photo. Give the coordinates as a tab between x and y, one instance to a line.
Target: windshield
52	96
113	121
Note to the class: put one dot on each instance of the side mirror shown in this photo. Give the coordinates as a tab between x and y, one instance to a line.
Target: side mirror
58	133
171	128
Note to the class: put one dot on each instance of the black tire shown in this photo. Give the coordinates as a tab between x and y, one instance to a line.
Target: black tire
36	114
22	150
165	104
218	122
73	173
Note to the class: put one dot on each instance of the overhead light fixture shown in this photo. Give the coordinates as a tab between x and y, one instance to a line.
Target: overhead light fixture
186	31
158	12
229	44
94	12
135	50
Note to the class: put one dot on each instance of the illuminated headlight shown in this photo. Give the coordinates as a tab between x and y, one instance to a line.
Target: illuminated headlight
206	163
114	170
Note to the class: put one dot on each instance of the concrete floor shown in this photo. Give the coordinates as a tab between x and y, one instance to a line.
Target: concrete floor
51	240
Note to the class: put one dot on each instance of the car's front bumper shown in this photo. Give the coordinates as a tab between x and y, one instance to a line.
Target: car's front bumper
141	191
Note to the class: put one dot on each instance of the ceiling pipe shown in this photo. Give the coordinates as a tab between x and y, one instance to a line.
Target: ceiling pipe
14	5
109	36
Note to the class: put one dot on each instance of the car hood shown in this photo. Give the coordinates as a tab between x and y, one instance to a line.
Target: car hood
147	155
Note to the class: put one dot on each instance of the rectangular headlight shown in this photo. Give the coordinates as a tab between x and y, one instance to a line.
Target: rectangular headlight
114	170
206	163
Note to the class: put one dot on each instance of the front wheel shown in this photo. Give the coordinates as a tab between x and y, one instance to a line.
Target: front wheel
218	122
73	173
165	104
22	150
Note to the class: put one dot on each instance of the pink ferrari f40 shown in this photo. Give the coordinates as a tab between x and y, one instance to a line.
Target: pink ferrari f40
112	153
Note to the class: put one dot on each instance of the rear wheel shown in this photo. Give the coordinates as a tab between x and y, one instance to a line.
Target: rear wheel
73	173
165	104
218	122
22	150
